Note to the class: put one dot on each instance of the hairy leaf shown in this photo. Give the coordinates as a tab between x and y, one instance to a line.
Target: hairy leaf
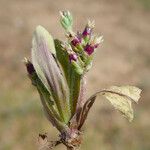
130	91
72	77
48	70
121	98
49	106
50	114
40	47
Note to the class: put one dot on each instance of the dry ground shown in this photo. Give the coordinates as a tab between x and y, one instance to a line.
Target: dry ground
124	58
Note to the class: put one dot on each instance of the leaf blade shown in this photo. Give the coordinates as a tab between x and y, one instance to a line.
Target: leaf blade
47	69
73	79
120	98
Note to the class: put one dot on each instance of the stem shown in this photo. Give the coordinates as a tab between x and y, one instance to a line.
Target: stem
81	98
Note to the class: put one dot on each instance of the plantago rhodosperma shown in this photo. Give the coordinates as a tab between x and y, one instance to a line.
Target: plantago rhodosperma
58	70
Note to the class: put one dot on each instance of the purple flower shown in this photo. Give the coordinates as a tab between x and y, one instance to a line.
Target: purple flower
75	41
73	57
89	49
87	31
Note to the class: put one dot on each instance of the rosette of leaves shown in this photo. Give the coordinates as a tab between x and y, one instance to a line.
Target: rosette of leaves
58	72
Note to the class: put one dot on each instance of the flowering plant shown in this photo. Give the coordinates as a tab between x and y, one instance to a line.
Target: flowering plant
58	71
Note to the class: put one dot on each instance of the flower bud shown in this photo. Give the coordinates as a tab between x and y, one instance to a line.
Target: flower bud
89	49
66	20
73	57
95	41
78	69
29	66
75	42
31	71
88	29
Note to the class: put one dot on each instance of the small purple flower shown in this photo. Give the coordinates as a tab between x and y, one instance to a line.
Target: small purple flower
89	49
87	31
75	41
73	57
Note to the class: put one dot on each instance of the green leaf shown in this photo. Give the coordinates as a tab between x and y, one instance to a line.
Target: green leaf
48	71
121	98
49	109
66	20
72	77
49	106
41	32
41	40
78	69
131	92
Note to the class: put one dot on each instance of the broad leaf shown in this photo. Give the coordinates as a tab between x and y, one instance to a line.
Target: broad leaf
50	114
40	46
49	109
48	70
121	98
131	91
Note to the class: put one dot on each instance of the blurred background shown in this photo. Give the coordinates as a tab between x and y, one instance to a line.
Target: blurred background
123	59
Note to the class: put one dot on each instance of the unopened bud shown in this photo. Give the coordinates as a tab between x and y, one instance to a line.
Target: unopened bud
66	20
89	49
77	68
29	66
73	57
88	29
75	42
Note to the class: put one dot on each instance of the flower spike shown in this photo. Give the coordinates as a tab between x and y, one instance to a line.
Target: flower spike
66	20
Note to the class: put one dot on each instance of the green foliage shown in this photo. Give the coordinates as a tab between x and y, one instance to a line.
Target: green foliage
121	98
72	76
